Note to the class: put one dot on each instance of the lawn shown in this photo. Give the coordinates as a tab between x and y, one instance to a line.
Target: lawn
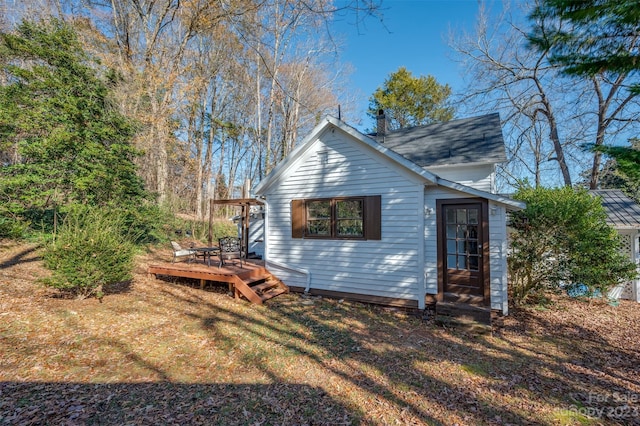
166	352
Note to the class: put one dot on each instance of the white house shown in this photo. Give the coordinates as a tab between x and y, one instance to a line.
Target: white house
401	218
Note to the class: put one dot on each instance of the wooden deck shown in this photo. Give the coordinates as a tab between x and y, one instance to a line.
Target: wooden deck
251	281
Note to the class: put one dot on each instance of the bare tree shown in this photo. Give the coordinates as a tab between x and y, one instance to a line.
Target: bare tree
221	90
507	76
617	110
548	116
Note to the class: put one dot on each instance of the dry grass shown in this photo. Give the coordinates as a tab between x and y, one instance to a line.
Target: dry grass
162	352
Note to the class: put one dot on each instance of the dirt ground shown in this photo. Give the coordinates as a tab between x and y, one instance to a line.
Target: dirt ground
161	351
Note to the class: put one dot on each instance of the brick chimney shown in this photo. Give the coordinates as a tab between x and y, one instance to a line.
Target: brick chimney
381	128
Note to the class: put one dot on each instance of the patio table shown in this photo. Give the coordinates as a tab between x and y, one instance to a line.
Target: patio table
206	252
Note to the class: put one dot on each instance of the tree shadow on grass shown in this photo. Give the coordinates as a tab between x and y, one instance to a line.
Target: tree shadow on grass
24	256
118	288
500	381
167	403
313	361
377	362
595	367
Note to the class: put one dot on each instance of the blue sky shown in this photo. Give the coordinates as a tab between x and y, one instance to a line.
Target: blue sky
412	34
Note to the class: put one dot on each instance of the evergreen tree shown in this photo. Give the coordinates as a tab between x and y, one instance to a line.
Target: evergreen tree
410	101
622	170
68	145
591	36
596	40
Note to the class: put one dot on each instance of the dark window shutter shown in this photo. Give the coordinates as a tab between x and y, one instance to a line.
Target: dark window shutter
297	218
373	217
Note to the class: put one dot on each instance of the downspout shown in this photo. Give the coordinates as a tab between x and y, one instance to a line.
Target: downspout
298	270
267	262
422	282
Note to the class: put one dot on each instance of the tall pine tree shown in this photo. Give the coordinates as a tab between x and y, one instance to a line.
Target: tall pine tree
410	101
591	36
62	142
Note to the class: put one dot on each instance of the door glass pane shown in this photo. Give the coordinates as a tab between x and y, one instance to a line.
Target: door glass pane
473	216
461	216
462	238
473	263
462	262
462	247
473	247
451	215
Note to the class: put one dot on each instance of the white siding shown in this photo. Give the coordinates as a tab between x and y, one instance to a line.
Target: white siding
388	267
497	247
479	176
256	236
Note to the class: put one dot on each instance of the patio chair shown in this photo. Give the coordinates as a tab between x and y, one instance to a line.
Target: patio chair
179	252
230	248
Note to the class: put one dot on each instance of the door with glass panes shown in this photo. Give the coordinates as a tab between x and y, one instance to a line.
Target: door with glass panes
463	253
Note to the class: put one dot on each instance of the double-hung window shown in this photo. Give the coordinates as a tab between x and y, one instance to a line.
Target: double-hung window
336	218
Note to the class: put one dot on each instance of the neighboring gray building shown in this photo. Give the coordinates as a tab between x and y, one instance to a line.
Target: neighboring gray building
624	215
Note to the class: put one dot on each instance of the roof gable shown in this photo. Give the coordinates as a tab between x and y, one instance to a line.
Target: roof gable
464	141
332	123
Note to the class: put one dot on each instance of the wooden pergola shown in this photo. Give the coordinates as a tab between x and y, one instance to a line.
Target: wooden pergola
250	280
245	204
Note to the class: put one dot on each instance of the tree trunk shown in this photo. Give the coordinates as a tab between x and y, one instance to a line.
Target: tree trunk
547	111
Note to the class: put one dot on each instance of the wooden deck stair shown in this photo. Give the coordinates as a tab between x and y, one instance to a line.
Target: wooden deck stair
251	282
258	286
463	314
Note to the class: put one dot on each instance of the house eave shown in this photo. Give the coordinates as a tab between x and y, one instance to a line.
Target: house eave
429	178
509	203
620	227
467	164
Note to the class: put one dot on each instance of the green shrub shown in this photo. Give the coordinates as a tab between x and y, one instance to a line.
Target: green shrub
223	228
199	230
562	238
144	222
12	228
90	252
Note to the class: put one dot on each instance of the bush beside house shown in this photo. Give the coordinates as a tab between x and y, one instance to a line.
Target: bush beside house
562	239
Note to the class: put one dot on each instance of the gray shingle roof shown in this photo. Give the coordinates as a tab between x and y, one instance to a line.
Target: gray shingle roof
468	140
622	211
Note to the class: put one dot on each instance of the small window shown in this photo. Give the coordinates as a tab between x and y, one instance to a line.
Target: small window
337	218
319	218
349	218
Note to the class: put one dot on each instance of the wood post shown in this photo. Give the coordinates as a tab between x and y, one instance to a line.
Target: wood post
210	237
